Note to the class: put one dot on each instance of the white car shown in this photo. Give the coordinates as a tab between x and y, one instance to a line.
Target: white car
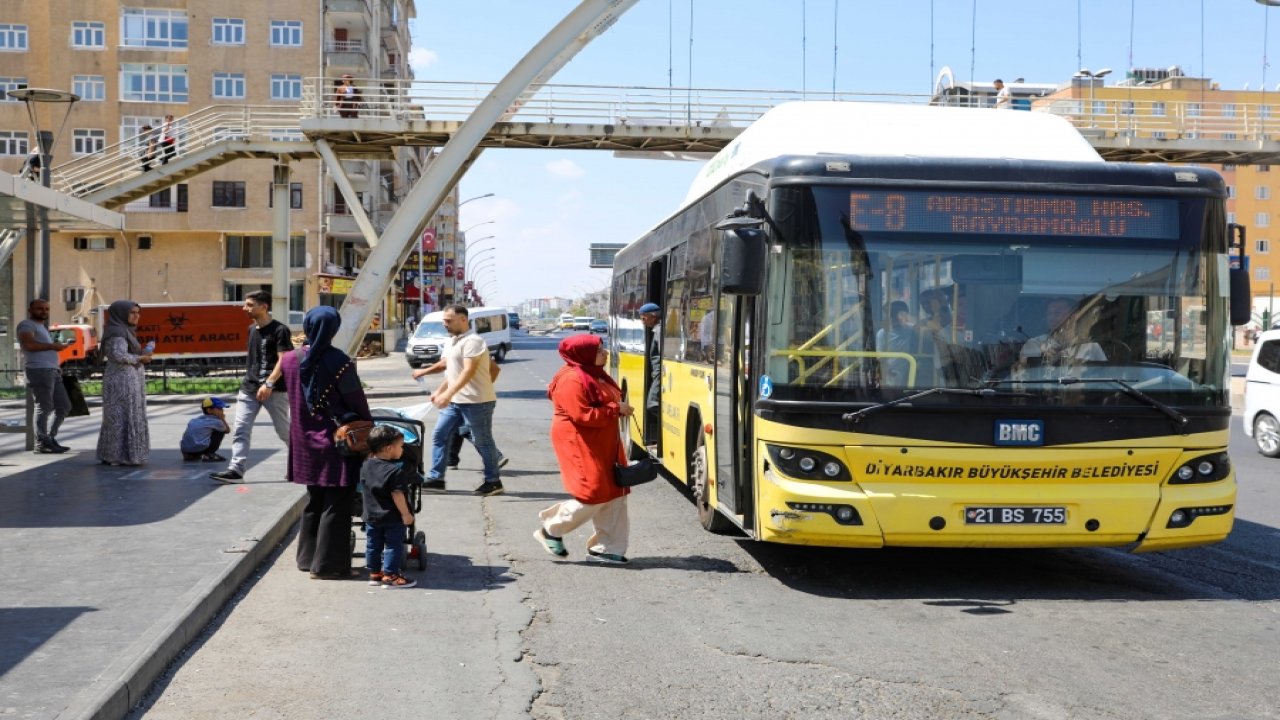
1262	394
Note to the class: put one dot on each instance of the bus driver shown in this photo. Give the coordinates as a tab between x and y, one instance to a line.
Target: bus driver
1061	345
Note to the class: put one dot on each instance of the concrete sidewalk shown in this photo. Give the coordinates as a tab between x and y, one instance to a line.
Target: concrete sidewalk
111	571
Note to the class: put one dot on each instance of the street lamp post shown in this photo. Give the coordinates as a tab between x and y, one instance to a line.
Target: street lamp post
38	287
38	282
1092	78
453	281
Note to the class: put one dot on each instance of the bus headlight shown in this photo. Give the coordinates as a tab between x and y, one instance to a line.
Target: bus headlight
1204	469
806	464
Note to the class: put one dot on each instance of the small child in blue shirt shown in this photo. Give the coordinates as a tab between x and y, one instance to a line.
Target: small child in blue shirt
384	481
204	433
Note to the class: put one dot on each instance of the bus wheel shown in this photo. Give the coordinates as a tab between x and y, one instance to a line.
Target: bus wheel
700	486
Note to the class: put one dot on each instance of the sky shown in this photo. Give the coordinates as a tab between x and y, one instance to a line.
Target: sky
550	205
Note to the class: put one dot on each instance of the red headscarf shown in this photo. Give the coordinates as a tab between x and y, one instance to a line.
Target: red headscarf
579	352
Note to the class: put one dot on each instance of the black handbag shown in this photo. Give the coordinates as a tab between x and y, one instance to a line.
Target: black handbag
79	408
637	473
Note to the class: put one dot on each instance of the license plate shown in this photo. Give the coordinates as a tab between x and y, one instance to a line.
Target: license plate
1015	516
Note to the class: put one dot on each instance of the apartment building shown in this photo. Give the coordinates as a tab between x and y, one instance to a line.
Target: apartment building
1163	103
133	62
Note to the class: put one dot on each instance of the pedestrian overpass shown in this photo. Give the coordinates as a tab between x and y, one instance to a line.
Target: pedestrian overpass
637	121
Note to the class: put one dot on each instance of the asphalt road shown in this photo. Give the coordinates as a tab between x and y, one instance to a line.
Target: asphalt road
704	626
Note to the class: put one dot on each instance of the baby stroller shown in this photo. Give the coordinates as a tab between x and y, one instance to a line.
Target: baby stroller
414	432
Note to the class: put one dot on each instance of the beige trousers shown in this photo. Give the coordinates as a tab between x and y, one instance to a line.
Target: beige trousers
608	519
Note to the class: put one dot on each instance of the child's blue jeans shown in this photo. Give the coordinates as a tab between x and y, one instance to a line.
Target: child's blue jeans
384	547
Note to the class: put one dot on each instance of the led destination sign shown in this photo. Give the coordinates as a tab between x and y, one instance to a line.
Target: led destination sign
1012	214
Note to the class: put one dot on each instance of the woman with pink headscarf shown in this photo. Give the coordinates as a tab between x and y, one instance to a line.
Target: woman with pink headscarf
584	434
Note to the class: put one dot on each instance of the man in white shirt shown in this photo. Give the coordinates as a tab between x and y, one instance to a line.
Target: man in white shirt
466	396
1002	95
1060	346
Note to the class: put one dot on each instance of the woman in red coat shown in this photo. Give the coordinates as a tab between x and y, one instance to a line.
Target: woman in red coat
584	433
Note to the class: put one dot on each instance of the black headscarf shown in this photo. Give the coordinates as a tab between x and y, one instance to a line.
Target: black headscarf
319	367
117	325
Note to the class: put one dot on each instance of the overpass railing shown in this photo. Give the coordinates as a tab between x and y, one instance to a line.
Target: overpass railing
199	130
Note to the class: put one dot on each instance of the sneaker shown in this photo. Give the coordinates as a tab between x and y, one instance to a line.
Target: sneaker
212	457
453	463
551	544
375	578
227	476
489	489
502	461
433	486
42	449
607	558
397	582
191	457
58	446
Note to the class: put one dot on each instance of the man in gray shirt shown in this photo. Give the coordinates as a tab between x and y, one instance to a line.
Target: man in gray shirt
40	364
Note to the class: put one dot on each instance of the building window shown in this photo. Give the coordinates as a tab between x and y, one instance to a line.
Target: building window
1126	108
11	83
1158	108
228	31
1228	168
1231	192
153	82
254	251
165	199
13	38
1262	246
295	196
13	142
85	35
1228	136
1231	217
286	33
228	193
1193	110
1263	168
93	243
72	297
88	141
236	292
286	87
1159	135
131	125
1262	192
1262	273
1262	219
153	28
228	86
1229	110
90	88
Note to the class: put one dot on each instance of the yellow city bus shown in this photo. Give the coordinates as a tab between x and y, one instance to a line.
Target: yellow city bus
920	326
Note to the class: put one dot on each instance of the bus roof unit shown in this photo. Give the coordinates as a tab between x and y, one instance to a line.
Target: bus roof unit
883	129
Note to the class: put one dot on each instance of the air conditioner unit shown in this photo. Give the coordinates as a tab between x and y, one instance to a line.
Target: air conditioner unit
144	242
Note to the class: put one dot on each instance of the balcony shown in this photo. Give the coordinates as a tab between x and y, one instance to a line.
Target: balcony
348	13
341	223
347	56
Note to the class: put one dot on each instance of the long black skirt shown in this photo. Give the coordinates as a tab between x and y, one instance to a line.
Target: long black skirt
324	537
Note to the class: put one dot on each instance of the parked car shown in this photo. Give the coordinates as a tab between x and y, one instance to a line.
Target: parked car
599	326
1262	394
582	323
426	345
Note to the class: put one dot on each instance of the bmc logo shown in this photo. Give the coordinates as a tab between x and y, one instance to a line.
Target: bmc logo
1019	432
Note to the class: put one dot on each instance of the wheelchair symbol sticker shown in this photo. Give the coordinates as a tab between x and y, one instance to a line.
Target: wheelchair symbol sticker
766	386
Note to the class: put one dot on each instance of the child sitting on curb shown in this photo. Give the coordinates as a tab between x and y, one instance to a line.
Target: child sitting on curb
384	480
204	433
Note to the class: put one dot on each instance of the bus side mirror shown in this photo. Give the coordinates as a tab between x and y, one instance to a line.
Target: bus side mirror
1238	277
742	252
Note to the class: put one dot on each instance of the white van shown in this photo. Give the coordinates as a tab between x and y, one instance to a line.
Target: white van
1262	394
426	345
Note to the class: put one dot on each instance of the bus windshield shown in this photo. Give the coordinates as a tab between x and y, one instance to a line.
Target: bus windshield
875	293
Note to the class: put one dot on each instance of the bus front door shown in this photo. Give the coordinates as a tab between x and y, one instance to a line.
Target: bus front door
733	409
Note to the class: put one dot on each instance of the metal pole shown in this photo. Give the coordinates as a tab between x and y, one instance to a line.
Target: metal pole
280	241
46	159
422	285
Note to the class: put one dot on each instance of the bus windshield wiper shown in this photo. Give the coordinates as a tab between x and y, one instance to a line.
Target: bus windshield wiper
857	415
1179	420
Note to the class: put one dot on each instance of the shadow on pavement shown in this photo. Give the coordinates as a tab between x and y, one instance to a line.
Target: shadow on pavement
456	572
25	629
986	581
77	491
